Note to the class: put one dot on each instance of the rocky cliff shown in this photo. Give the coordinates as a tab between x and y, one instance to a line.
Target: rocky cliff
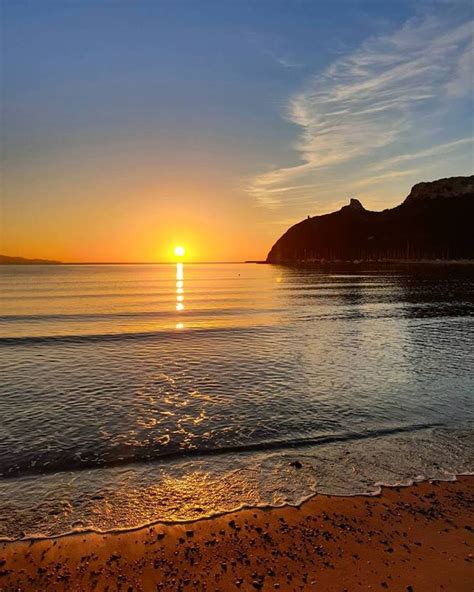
435	221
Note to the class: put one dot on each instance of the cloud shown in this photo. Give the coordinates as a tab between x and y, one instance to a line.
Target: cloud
463	81
367	104
269	46
438	150
285	61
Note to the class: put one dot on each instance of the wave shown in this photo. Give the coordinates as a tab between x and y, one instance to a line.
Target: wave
418	313
129	315
155	295
132	336
159	454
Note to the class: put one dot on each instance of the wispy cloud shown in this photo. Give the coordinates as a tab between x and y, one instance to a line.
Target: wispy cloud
463	80
438	150
365	105
285	61
270	46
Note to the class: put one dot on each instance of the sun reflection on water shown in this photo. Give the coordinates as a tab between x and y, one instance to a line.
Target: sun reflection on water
179	291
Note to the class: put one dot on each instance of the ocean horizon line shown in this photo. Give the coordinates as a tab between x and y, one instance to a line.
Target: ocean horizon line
236	262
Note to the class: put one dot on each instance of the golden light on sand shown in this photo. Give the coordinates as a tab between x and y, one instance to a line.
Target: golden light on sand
179	251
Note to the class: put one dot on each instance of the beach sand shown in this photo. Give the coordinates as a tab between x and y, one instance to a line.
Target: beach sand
417	538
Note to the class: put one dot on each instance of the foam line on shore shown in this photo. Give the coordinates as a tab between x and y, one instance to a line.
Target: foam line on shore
380	487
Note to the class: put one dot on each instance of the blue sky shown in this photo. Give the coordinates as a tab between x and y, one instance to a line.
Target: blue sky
235	118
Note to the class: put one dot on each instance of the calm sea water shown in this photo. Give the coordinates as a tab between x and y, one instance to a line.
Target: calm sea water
135	393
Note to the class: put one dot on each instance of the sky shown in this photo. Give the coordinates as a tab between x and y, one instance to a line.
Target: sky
131	126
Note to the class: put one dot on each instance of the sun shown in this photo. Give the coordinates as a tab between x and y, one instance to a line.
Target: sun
179	251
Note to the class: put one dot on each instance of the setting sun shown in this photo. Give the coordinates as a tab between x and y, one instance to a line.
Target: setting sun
179	251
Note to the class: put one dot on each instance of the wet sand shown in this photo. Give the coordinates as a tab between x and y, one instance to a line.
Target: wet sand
411	539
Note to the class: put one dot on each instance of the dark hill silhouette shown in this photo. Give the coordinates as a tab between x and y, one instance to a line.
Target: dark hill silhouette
7	260
434	222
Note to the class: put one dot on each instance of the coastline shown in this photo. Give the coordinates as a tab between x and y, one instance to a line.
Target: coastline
368	262
407	538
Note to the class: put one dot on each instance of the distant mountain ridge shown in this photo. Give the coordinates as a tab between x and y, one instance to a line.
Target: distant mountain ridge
6	260
434	222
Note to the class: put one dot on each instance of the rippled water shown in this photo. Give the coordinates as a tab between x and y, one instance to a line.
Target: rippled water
134	393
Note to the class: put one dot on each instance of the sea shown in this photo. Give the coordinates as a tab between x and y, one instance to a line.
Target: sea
132	394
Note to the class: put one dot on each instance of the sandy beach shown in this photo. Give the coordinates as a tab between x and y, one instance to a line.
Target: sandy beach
411	539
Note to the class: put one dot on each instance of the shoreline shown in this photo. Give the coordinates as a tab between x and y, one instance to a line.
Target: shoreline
368	262
316	545
223	513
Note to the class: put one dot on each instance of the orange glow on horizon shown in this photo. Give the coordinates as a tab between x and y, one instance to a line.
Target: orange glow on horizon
132	228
